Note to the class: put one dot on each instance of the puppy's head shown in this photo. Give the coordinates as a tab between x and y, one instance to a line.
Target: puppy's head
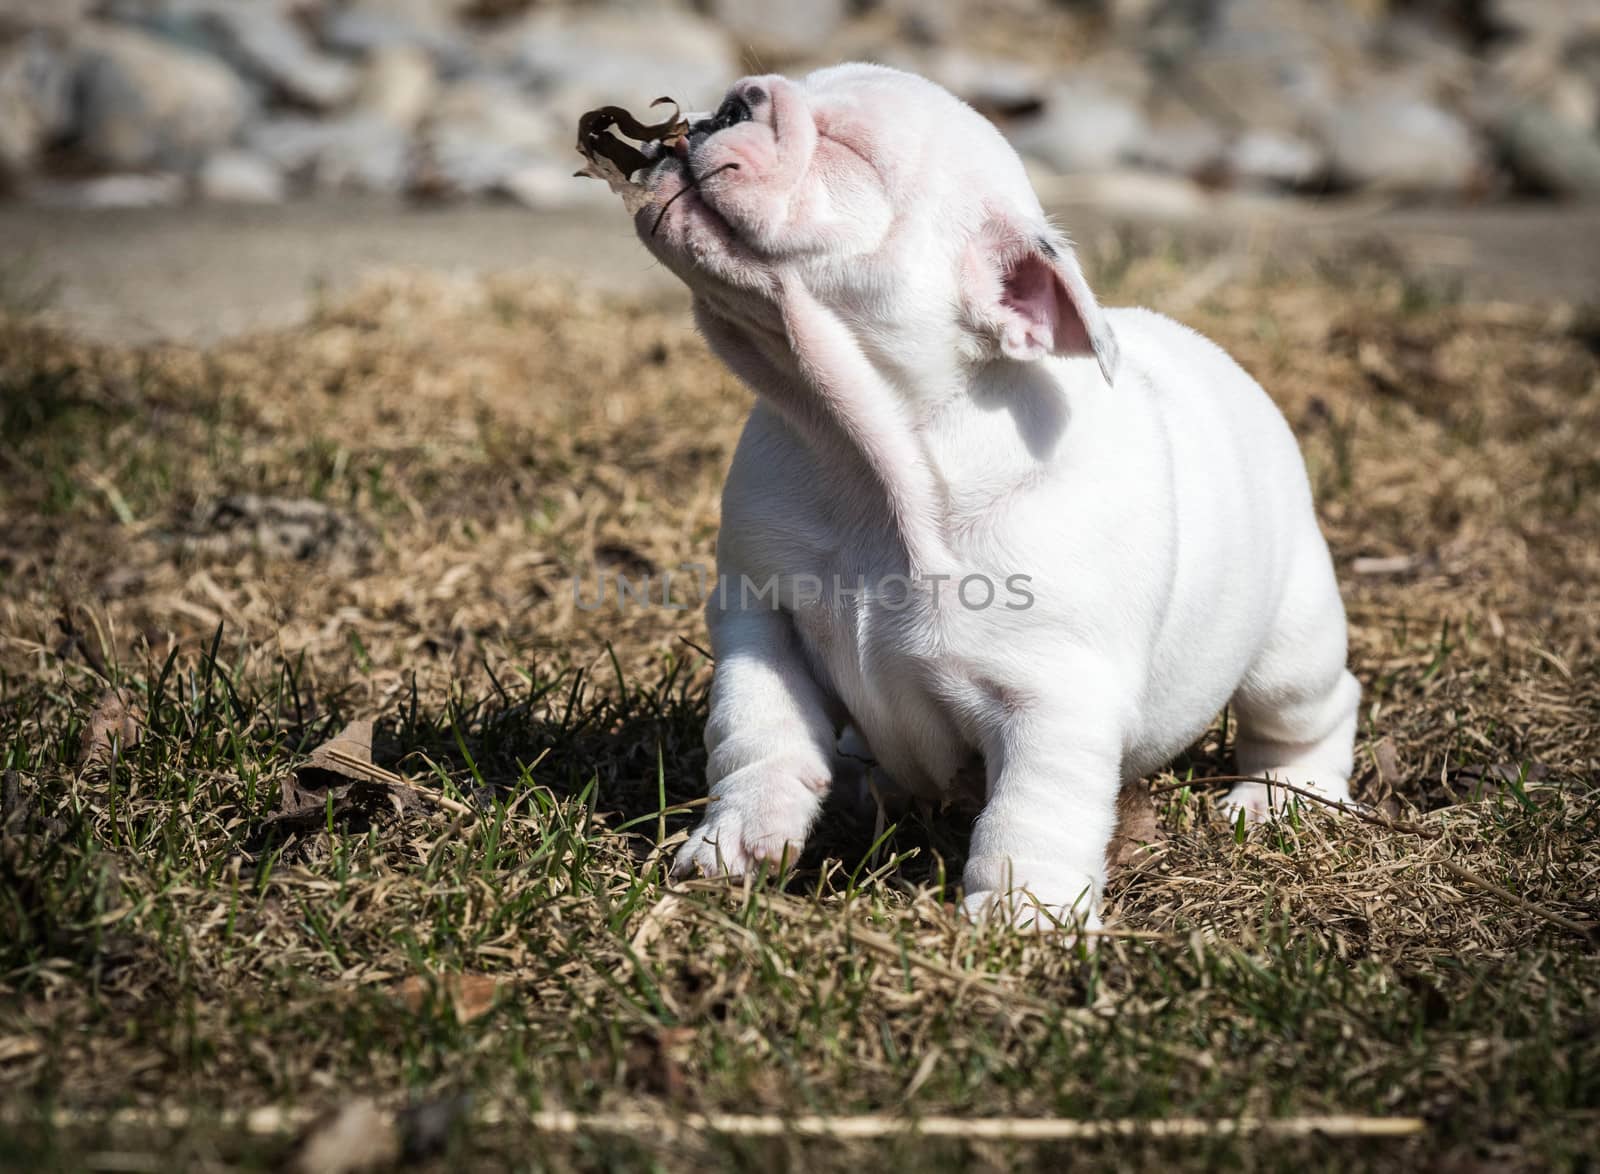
895	204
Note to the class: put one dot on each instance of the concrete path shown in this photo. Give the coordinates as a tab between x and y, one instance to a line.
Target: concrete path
199	273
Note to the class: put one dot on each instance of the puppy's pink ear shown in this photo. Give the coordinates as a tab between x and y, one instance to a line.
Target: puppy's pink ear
1026	291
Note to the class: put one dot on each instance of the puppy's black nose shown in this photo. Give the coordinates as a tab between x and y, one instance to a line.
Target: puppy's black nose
733	111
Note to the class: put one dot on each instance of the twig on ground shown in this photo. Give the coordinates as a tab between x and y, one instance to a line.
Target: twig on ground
1510	898
271	1119
380	775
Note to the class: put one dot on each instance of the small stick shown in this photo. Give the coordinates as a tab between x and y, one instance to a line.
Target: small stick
378	774
1510	898
269	1120
877	1125
1376	818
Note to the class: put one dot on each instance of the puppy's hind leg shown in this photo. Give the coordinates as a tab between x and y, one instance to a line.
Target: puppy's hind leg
1297	707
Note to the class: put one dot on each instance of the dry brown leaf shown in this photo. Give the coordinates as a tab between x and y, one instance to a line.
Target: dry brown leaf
594	137
472	996
613	160
335	769
633	195
1383	780
1387	761
324	769
114	725
358	1136
1138	833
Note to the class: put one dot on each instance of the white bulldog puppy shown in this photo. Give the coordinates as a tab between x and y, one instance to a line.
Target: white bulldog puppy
974	516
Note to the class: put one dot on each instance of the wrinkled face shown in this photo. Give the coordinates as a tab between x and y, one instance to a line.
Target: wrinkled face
891	201
788	171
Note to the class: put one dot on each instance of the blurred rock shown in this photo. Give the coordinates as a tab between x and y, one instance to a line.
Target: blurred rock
1426	52
1536	71
1139	192
238	177
778	31
366	26
483	132
1084	127
42	14
1546	152
398	84
481	96
359	152
1184	145
111	191
1258	63
35	99
996	86
927	22
143	102
585	58
1572	98
1402	144
1269	159
262	40
1553	20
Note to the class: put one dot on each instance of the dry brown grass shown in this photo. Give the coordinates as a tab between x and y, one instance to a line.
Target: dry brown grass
471	446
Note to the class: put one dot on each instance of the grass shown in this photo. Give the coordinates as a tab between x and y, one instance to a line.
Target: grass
168	942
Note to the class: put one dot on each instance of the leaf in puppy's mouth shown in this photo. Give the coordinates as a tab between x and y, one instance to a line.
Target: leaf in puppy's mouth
614	159
595	137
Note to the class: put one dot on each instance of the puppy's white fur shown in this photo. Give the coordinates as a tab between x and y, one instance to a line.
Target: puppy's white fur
940	395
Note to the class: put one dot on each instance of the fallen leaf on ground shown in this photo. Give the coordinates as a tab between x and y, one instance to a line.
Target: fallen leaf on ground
472	996
1377	785
114	725
1137	834
1386	760
358	1136
341	769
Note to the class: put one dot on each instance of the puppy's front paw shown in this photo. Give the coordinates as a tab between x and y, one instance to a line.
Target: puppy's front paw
1031	895
1253	799
755	821
1260	802
1022	909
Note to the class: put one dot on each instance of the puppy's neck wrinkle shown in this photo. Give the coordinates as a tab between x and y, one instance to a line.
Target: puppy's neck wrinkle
818	379
869	416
